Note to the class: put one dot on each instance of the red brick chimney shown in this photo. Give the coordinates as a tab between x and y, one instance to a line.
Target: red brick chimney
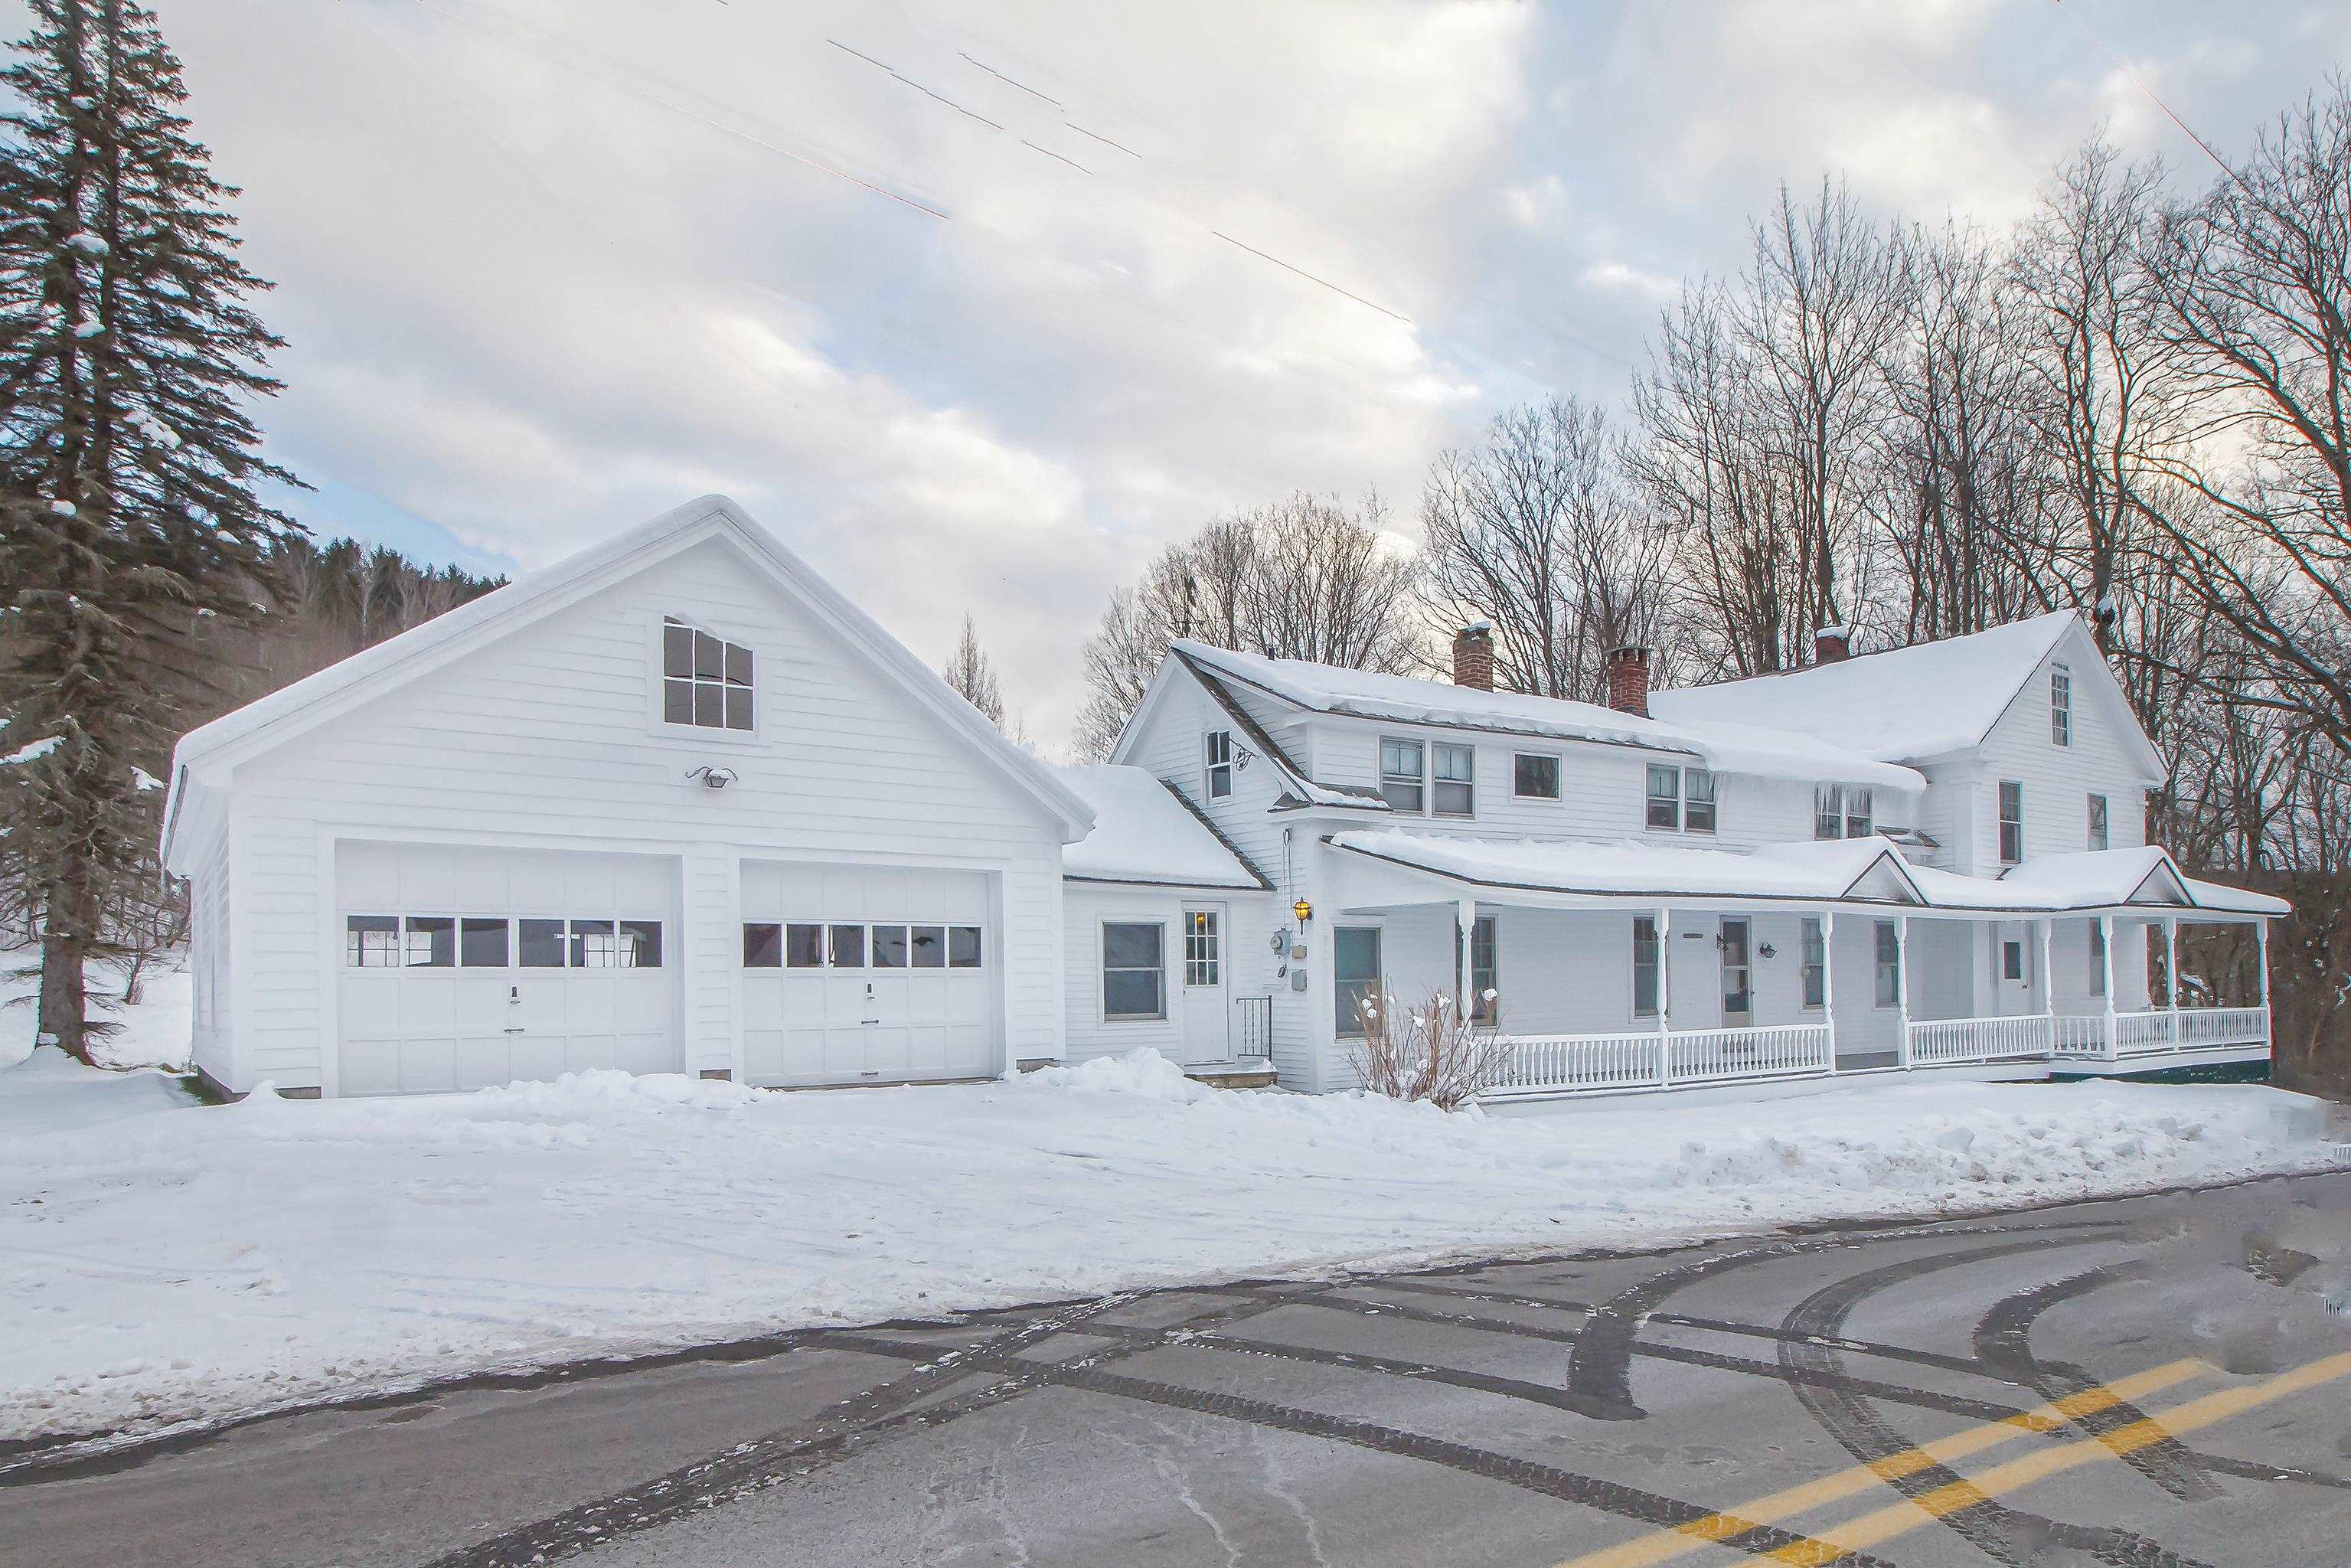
1473	657
1628	680
1831	643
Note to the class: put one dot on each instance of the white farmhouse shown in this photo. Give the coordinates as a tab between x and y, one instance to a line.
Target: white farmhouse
675	805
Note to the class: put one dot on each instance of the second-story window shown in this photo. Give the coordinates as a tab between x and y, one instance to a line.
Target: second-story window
1698	800
1860	813
1220	763
1456	794
2060	706
705	683
1534	776
2098	821
1843	812
2011	821
1665	797
1404	774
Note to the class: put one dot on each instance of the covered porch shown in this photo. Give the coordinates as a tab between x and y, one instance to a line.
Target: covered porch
1790	962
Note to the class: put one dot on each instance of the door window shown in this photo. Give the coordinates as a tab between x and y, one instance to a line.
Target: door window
1738	993
1203	951
1356	960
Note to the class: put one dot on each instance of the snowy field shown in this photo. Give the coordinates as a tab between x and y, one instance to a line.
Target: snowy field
161	1263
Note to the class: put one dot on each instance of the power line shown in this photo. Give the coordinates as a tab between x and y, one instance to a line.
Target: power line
1312	278
2219	163
1104	139
911	82
1049	153
1024	87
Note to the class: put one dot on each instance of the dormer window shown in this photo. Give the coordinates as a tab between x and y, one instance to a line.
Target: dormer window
705	681
2060	706
1220	763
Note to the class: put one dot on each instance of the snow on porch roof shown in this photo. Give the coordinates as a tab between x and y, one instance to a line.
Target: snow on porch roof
1726	744
1864	870
2142	875
1145	833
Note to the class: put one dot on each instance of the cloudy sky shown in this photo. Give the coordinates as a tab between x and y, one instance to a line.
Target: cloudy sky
978	305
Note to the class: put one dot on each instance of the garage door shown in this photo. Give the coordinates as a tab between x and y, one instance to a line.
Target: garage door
465	967
860	974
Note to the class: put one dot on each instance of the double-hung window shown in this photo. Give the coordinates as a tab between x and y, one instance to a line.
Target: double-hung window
2011	822
2097	958
1665	797
1456	792
1220	763
1698	800
1828	812
1646	959
1860	812
2060	706
2098	821
1815	961
1133	970
1889	965
705	681
1534	776
1404	774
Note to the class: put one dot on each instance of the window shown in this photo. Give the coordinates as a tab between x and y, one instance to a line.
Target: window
1456	794
432	942
1220	763
705	683
1355	965
1482	989
2060	706
930	946
2011	960
372	941
1202	960
1665	797
1828	812
1698	800
804	945
848	945
963	947
1534	776
593	945
1644	966
1814	959
1134	985
2011	821
541	946
2098	821
1889	965
2097	958
1402	777
763	944
889	947
1860	812
482	944
641	945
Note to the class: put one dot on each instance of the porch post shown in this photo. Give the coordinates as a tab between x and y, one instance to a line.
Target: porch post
1466	917
1664	995
2171	971
2261	947
2106	958
1902	981
1828	977
2048	987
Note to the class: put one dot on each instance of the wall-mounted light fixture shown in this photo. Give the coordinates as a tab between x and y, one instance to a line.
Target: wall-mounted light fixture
1303	910
1768	951
712	778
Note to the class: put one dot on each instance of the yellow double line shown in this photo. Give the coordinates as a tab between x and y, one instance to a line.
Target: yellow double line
1897	1519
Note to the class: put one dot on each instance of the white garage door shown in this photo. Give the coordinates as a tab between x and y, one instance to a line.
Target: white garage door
465	967
861	974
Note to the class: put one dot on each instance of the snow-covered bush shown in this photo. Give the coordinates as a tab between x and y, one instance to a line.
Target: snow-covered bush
1434	1051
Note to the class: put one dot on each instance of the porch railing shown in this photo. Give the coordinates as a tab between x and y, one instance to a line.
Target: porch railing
1252	1028
1937	1043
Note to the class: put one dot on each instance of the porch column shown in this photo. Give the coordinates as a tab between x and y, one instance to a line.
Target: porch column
1466	917
1902	981
2048	986
2171	971
1664	995
1828	977
2106	976
2261	948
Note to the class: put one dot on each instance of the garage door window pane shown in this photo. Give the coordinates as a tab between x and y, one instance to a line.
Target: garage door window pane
432	942
889	947
930	947
641	945
1133	982
482	944
848	946
372	941
763	946
592	944
963	948
541	946
804	947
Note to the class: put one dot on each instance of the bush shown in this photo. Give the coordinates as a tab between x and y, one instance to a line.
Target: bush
1432	1052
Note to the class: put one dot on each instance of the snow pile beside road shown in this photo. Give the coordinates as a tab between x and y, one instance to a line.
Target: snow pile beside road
181	1264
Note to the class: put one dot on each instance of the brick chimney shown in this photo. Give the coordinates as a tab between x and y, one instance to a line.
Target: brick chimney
1831	645
1628	680
1473	657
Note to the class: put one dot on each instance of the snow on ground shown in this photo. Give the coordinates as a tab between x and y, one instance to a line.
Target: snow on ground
152	1034
184	1264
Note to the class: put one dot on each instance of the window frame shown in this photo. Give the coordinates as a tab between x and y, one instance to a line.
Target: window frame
1348	1027
1655	965
1865	800
2061	704
1828	812
2097	959
657	719
1690	778
1204	948
2100	828
2004	793
1811	965
1216	765
1485	937
1883	933
1439	752
1671	773
1558	772
390	941
1104	968
1416	782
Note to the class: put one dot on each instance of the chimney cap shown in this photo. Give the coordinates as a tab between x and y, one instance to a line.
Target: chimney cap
1476	628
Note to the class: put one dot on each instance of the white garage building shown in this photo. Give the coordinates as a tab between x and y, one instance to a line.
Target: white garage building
672	805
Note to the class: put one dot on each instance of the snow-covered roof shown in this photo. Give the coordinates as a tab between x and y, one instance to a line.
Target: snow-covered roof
2143	875
271	720
1145	831
1865	870
1900	705
1728	746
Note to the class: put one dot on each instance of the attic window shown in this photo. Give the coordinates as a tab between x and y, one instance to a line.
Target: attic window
2060	706
705	683
1220	763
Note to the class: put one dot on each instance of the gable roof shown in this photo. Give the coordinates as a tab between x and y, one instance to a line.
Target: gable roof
205	753
1726	744
1908	704
1865	871
2138	876
1146	832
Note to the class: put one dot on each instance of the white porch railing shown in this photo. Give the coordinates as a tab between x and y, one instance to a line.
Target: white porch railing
1938	1042
1773	1051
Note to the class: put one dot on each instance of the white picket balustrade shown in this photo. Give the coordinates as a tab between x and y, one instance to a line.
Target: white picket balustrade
2082	1035
1776	1051
1582	1062
2135	1034
2223	1026
1936	1043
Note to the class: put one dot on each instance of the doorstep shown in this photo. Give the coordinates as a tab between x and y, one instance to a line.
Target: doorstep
1252	1074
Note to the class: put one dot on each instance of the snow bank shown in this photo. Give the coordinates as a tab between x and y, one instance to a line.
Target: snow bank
178	1265
152	1034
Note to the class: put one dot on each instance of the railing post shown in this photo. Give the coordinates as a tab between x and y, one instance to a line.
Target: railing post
2107	957
1902	982
2171	973
1828	977
1664	997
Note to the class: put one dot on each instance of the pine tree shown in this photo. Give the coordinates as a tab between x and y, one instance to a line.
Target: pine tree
129	523
973	678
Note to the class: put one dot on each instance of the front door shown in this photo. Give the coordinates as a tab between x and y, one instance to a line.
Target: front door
2013	970
1737	987
1206	1007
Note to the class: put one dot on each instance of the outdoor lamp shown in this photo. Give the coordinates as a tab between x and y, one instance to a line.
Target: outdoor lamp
1303	910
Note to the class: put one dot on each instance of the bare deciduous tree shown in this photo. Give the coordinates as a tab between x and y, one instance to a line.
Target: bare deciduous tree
973	676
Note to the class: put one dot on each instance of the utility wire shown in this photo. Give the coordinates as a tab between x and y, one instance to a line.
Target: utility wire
2152	96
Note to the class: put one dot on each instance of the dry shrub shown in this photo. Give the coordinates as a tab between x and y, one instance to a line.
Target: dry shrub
1430	1052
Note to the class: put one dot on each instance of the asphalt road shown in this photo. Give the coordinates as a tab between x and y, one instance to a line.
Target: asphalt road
2154	1382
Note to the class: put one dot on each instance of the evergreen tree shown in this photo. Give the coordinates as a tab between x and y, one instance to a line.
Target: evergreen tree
130	525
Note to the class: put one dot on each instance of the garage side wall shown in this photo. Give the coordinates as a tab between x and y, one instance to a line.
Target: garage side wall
552	739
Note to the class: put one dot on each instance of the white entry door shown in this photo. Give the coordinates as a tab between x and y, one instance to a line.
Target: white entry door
868	974
464	967
2013	958
1207	997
